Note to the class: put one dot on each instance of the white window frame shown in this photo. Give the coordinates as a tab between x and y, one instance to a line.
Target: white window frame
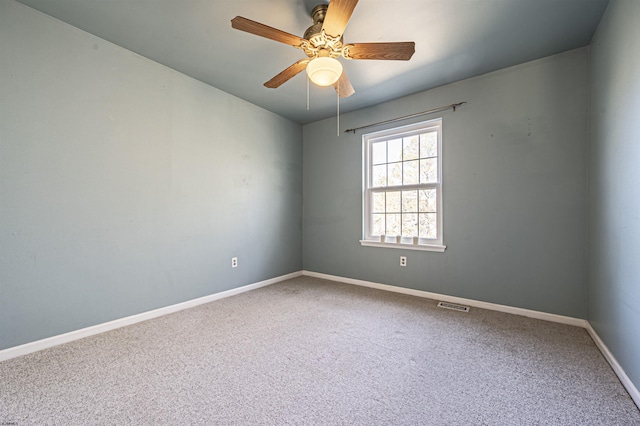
407	243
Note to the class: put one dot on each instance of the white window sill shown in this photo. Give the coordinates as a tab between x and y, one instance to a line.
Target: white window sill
404	246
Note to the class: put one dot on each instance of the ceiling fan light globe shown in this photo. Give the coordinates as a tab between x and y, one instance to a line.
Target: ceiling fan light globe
324	71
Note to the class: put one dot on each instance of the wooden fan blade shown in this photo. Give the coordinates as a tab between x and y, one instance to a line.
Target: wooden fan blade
287	74
253	27
338	15
401	51
343	86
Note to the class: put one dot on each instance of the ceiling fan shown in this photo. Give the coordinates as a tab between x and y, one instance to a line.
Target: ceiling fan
322	43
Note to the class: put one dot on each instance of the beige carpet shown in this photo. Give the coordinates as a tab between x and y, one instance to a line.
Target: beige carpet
309	351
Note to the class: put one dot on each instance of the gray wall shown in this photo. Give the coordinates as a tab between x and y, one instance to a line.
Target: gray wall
614	184
514	191
126	186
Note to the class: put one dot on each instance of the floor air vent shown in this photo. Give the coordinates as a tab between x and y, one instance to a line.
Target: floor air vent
453	306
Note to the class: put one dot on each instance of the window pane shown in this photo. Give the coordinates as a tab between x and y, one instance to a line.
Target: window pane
393	202
377	227
428	224
379	152
378	202
429	170
410	149
379	176
395	174
393	224
410	172
429	145
409	201
395	150
428	200
410	225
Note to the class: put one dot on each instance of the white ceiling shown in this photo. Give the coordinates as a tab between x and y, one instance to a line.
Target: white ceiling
455	39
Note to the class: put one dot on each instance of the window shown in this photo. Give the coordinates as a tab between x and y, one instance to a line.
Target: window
402	187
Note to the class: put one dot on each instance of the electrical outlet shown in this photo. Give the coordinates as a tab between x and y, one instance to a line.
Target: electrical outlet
403	260
234	262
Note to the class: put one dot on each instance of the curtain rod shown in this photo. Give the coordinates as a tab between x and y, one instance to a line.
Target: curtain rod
431	111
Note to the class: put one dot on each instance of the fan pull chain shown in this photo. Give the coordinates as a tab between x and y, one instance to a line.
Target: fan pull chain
308	93
338	116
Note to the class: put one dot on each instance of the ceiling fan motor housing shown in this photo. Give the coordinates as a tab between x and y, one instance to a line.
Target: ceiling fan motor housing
317	14
316	43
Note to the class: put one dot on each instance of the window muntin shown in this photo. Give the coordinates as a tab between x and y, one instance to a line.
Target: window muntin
403	185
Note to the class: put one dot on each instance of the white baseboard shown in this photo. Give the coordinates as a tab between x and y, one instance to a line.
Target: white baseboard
39	345
453	299
617	368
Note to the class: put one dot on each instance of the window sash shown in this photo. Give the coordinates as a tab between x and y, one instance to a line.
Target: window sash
370	190
371	212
